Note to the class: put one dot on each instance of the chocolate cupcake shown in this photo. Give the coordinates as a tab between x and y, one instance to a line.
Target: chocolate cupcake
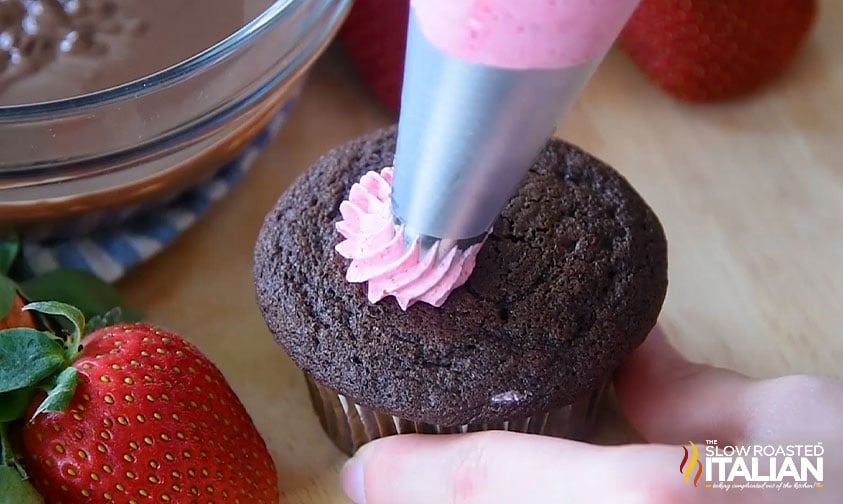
569	282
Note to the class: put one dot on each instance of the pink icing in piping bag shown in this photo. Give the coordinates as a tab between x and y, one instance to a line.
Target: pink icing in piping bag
486	82
523	34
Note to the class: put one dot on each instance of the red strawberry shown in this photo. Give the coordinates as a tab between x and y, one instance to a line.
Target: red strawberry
703	50
151	420
16	316
375	36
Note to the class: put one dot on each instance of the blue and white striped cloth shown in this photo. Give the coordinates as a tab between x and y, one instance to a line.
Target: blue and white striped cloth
111	253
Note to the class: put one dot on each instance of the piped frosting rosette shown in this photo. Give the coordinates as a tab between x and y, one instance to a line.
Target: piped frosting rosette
381	255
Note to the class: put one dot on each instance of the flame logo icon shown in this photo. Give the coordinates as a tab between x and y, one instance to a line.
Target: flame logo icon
689	462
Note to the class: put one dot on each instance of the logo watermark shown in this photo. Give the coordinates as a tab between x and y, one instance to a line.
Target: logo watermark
757	466
691	465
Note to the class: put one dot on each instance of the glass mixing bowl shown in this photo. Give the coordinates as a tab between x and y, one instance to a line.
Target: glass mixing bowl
141	143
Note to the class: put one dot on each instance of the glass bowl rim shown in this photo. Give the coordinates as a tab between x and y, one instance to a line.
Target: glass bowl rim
147	84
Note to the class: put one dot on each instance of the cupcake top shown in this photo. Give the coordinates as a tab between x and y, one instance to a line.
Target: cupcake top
569	282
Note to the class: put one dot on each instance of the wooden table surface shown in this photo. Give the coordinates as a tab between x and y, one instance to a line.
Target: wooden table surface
750	194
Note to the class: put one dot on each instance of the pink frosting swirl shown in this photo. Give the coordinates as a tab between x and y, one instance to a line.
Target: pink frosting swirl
379	255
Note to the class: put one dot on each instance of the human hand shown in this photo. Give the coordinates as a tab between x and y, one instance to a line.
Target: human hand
668	399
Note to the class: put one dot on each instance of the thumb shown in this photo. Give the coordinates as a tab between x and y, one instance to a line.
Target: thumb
503	467
672	400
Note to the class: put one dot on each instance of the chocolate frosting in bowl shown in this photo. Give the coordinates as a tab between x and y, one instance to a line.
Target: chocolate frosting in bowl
192	82
53	49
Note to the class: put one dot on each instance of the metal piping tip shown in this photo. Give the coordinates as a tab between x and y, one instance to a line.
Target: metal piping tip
467	135
427	242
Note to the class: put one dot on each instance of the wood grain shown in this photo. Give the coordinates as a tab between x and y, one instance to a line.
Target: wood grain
750	194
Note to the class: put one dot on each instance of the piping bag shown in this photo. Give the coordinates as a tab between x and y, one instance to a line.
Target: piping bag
486	82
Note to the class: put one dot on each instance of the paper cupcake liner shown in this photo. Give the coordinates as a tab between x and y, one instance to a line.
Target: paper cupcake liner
351	425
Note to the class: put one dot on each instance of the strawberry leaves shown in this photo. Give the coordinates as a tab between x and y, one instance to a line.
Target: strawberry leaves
112	317
7	295
13	404
89	293
27	356
14	489
9	250
71	313
31	360
60	390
